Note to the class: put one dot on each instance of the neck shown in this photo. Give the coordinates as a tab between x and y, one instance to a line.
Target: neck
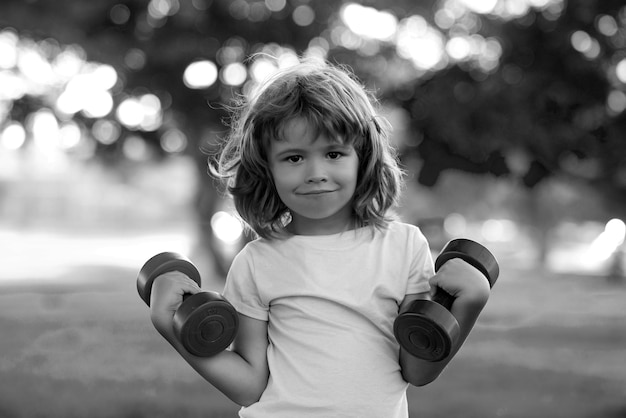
299	226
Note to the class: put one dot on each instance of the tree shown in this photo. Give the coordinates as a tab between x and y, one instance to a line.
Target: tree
521	89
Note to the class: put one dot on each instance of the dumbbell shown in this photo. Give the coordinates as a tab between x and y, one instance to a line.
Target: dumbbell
205	323
428	330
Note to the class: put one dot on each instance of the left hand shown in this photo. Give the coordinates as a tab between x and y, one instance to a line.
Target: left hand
461	280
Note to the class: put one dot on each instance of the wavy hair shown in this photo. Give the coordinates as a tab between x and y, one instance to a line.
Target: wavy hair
331	99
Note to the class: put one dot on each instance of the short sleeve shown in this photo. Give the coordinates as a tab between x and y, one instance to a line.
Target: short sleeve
422	266
241	289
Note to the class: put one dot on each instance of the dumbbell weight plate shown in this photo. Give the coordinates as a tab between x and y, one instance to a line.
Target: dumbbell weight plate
427	330
205	324
473	253
160	264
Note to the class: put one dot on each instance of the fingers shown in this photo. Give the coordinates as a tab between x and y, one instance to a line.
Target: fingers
180	282
168	290
456	276
458	267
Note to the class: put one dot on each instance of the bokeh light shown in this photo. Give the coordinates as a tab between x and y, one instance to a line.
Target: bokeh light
459	48
136	149
609	240
226	227
481	6
262	68
369	22
173	141
499	230
88	90
420	43
234	74
607	25
159	9
106	131
120	14
8	49
620	70
275	5
45	129
303	15
69	135
13	136
135	59
12	86
200	74
616	102
585	44
143	112
130	113
34	66
455	225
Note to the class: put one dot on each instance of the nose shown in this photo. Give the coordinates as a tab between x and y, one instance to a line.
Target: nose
316	172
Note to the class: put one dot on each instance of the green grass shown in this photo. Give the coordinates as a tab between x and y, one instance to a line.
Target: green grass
545	346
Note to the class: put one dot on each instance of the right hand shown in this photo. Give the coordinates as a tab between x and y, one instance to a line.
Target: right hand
166	296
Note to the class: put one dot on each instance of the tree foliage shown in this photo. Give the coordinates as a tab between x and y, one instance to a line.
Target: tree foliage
543	112
549	106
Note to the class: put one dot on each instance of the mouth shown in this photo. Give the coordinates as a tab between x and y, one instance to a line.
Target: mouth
314	192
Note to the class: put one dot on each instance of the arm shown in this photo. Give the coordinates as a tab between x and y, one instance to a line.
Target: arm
471	292
240	373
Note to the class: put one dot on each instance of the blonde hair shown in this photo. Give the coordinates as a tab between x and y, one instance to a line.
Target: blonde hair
330	99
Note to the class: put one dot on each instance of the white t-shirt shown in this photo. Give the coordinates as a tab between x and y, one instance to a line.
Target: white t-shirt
331	302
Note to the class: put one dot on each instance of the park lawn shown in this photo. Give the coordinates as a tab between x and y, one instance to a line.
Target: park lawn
545	346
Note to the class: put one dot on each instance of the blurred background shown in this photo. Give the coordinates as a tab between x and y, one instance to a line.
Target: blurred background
508	116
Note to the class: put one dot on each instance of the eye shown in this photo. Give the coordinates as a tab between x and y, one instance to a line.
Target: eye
334	155
293	158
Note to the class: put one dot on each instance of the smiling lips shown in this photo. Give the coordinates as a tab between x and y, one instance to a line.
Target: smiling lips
314	192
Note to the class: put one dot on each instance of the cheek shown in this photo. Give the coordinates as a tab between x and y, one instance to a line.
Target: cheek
282	180
353	172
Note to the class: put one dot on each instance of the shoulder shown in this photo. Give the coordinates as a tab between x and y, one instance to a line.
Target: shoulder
261	250
250	260
401	226
261	245
403	230
405	239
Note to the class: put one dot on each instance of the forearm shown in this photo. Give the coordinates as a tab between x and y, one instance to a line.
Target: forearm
228	371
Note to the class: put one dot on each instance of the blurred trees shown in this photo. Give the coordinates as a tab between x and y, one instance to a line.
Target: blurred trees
526	89
553	106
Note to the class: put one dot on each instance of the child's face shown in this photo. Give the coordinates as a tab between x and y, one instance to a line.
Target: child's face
315	177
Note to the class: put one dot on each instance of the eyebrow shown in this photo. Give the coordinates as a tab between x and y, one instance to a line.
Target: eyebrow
298	151
289	151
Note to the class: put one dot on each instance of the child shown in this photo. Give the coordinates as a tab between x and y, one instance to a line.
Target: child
312	172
